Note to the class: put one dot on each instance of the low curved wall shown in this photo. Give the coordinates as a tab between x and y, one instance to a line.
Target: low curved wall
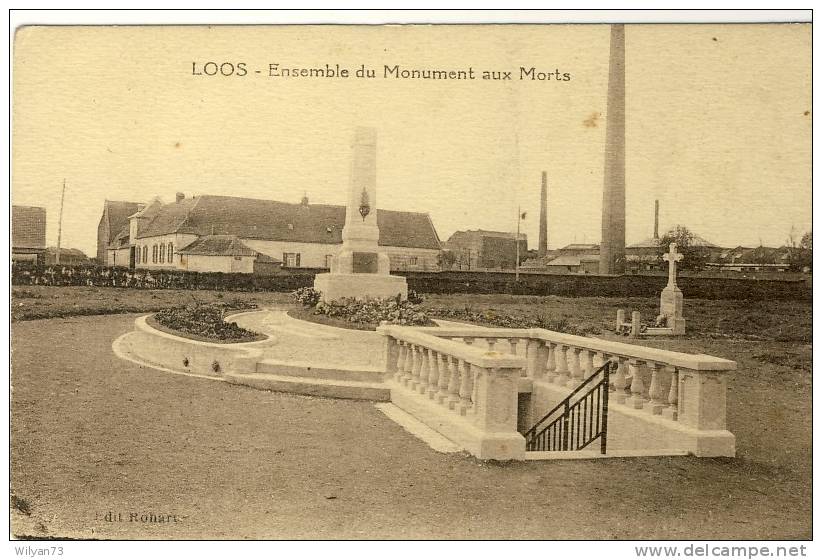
155	347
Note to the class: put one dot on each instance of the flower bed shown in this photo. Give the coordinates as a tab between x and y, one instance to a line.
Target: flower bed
359	314
202	322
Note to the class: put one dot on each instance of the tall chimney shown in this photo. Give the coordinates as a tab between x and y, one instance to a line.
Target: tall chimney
656	219
543	217
612	246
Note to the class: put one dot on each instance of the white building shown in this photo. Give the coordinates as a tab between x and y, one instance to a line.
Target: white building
245	233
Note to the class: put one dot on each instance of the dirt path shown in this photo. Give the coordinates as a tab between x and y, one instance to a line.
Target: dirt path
92	434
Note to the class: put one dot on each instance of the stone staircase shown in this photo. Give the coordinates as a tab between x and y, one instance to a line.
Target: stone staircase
319	380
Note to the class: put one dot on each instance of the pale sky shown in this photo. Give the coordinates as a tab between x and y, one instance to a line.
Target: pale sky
716	124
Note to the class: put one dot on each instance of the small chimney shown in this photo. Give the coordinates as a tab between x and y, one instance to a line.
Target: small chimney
180	196
656	219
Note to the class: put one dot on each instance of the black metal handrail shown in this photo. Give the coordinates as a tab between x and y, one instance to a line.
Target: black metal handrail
580	423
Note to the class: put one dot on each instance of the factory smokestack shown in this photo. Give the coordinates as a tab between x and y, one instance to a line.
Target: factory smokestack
543	217
656	219
612	246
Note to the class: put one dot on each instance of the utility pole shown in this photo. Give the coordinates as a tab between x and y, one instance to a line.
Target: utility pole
519	217
60	223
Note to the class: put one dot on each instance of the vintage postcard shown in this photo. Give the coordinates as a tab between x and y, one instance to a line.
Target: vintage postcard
530	282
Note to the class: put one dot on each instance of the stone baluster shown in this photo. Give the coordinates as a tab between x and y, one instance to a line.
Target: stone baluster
433	373
466	387
532	362
492	343
453	382
671	412
416	364
561	368
551	362
598	360
425	369
587	363
444	379
403	354
575	372
619	380
512	343
408	364
638	399
655	391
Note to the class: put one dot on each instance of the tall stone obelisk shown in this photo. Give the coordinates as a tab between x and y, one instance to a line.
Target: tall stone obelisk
361	270
543	217
612	246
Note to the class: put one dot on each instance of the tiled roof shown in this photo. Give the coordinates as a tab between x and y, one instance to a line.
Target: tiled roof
580	247
28	227
280	221
118	213
650	243
218	245
480	233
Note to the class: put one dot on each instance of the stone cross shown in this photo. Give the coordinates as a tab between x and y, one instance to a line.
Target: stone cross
672	257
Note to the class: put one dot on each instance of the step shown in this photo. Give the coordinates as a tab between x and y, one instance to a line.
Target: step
311	370
331	388
595	454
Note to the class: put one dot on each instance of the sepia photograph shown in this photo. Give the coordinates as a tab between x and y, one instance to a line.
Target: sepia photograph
412	281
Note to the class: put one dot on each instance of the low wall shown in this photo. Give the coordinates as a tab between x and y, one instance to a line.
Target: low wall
446	282
155	347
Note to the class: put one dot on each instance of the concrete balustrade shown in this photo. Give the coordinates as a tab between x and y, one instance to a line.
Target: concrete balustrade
662	402
468	392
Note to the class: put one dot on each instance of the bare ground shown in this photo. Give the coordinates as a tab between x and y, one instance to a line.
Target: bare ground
93	434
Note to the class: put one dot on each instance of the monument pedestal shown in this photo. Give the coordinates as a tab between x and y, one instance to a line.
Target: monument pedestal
335	286
670	305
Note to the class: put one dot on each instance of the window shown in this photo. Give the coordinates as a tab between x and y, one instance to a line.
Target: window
412	261
291	260
170	253
162	252
145	253
154	253
328	260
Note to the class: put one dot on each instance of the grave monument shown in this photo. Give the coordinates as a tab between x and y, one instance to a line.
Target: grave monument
670	302
361	270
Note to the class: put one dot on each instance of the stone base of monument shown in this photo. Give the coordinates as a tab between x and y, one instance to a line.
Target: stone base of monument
335	286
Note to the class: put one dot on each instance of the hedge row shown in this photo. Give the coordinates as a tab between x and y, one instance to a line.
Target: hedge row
58	275
454	282
450	282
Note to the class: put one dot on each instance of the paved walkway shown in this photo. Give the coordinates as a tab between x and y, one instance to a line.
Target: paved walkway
302	341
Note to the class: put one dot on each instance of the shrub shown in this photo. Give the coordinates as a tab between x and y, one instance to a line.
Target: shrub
414	297
309	297
374	311
204	321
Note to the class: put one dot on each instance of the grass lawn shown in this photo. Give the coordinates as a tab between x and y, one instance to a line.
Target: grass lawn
93	434
44	302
